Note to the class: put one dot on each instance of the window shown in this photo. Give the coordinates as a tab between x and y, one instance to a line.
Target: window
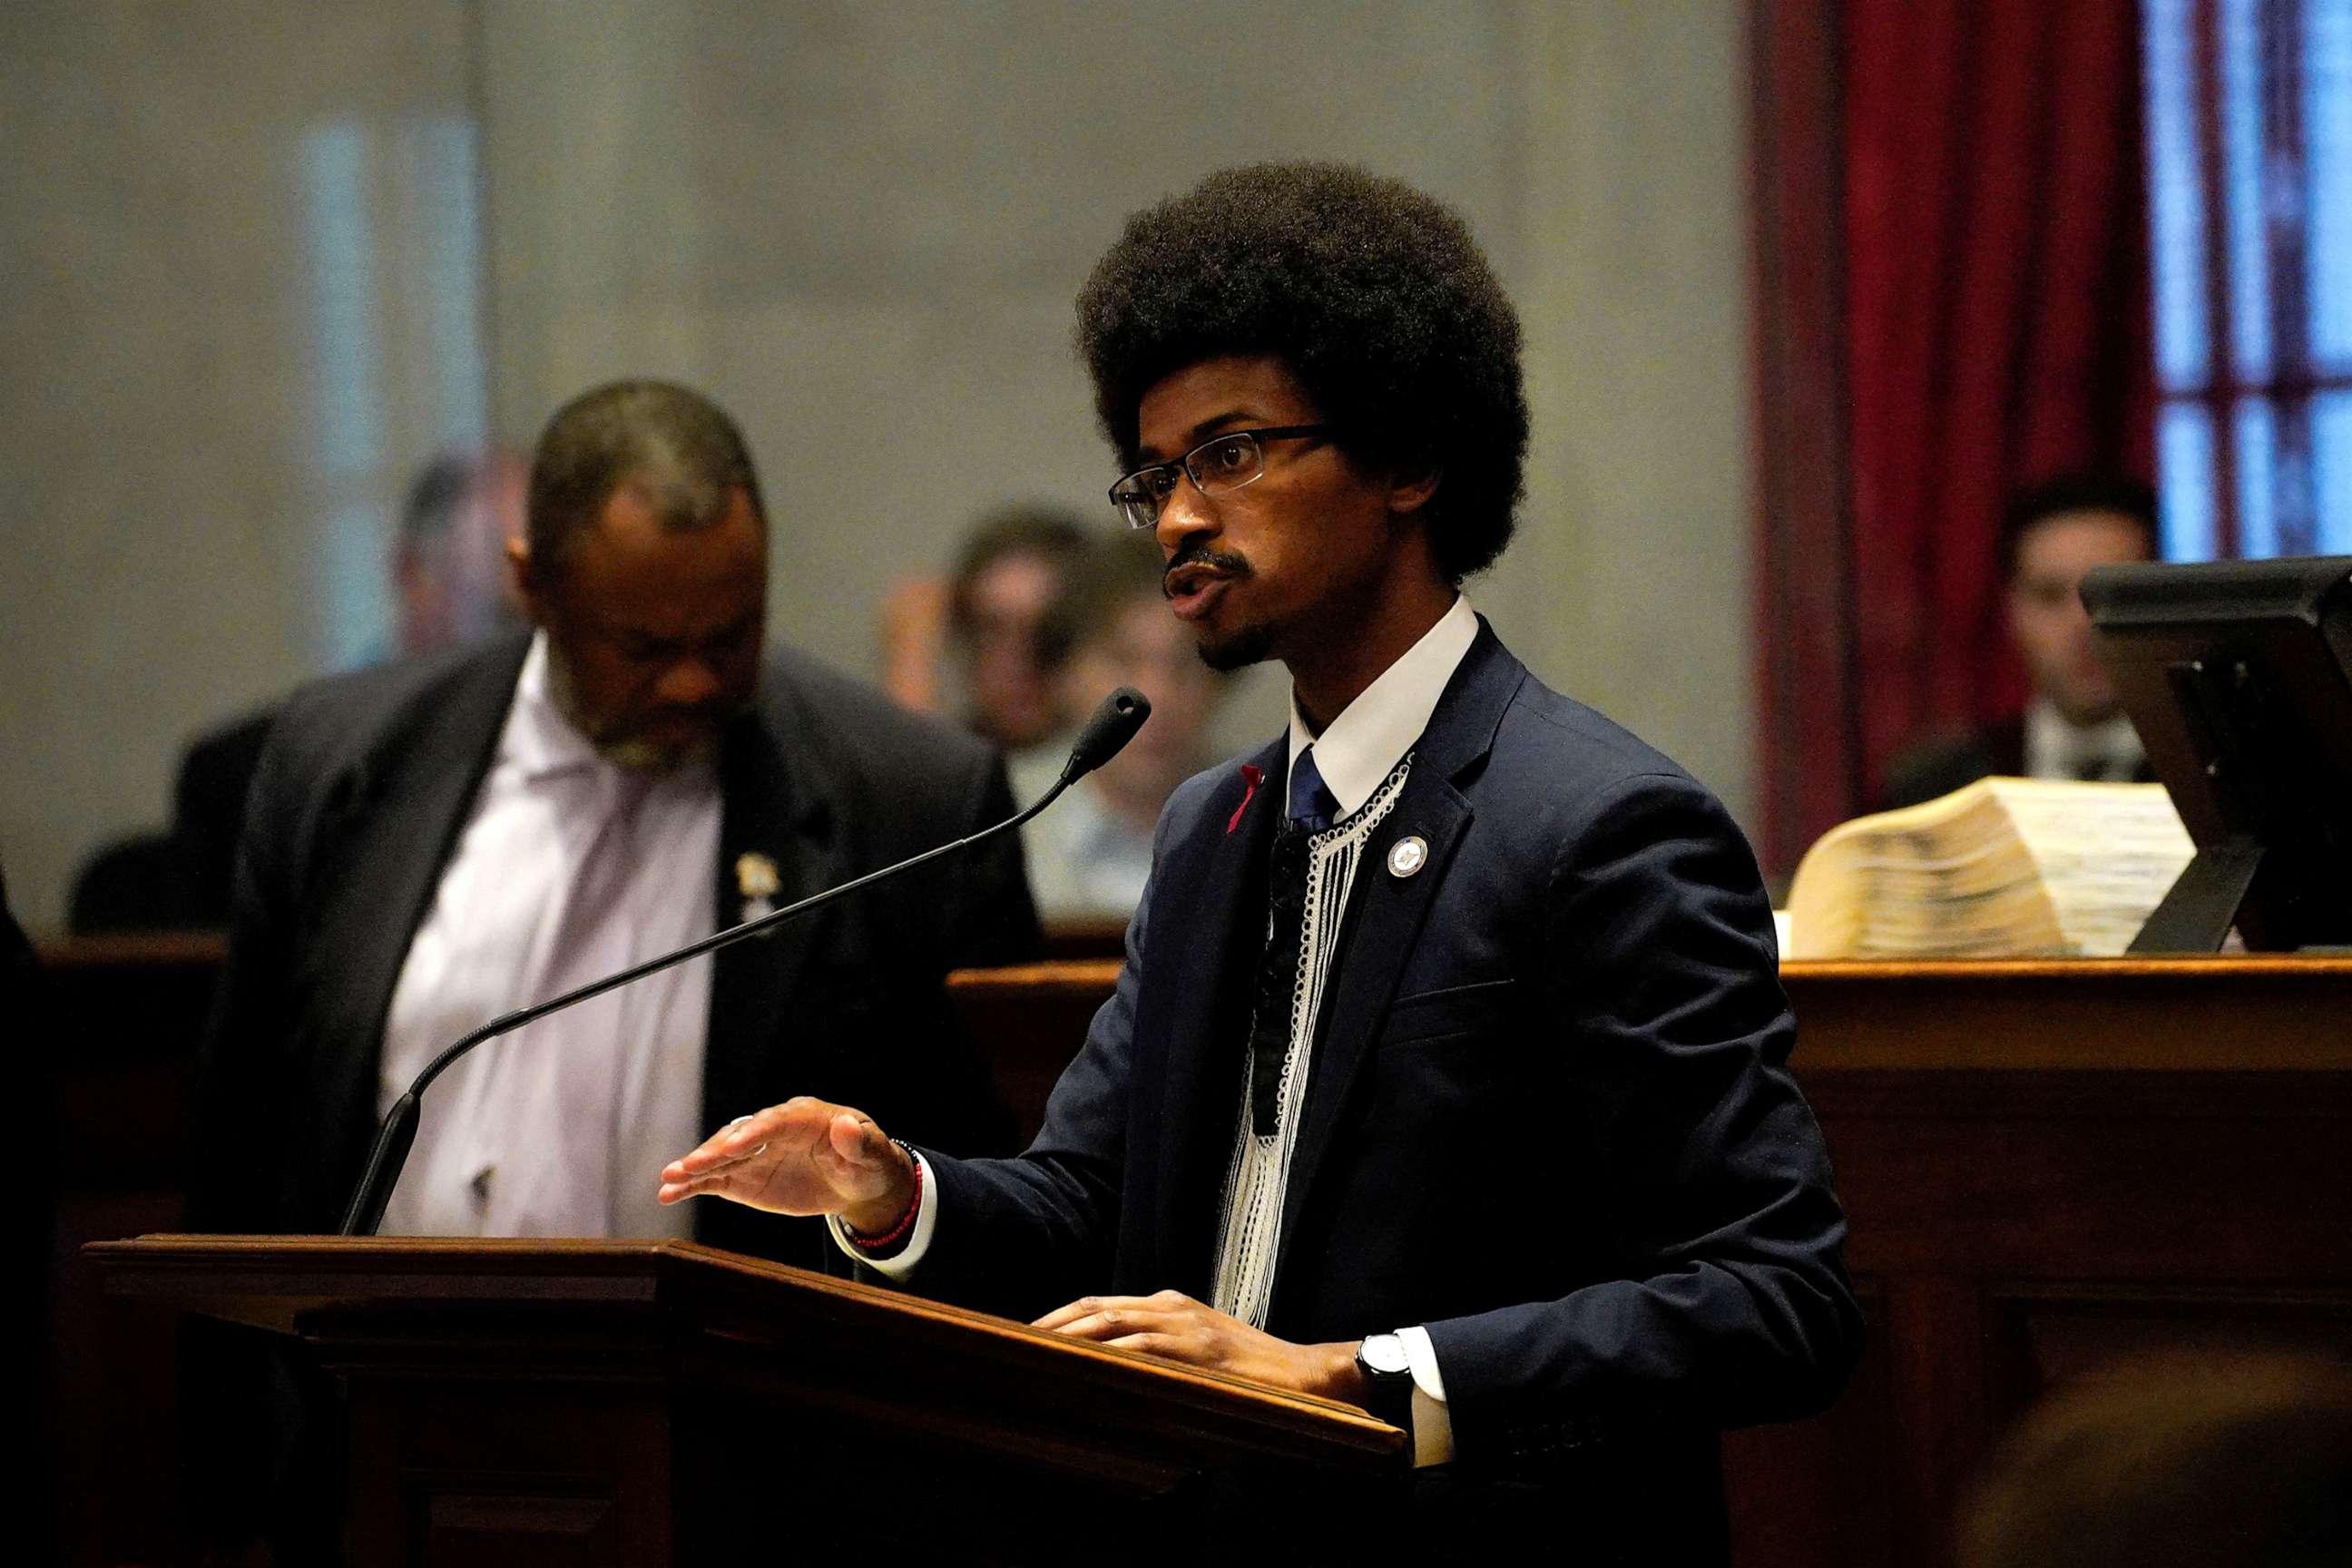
391	219
2250	155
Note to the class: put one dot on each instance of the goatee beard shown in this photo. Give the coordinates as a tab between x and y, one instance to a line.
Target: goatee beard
644	757
1249	644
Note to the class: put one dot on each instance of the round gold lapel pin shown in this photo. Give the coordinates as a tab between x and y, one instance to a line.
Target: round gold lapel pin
757	881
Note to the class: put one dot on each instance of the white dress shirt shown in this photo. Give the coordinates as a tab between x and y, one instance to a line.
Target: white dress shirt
2058	749
557	1129
1355	755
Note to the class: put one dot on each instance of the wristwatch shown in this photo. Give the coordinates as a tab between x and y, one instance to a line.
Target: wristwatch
1388	1377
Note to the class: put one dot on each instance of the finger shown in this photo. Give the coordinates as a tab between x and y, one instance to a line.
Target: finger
1178	1348
855	1156
679	1170
740	1137
1125	1316
853	1136
756	1153
725	1146
751	1184
751	1193
1101	1328
1084	1307
671	1191
1162	1304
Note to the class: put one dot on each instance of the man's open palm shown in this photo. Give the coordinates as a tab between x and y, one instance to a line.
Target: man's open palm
803	1157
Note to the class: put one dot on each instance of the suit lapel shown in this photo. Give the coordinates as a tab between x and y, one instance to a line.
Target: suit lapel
1386	912
383	839
775	808
1218	896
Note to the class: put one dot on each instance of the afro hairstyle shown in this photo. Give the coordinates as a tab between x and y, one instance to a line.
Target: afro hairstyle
1374	296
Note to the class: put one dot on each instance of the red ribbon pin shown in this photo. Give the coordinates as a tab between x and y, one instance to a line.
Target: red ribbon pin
1252	776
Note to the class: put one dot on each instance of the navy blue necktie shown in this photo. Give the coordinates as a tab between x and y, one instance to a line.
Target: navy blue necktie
1312	804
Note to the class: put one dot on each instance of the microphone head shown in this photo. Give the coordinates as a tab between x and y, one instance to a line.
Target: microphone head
1113	725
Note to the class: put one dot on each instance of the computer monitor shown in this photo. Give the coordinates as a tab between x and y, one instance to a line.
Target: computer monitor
2239	677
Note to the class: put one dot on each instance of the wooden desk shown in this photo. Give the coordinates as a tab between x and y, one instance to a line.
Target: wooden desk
2047	1167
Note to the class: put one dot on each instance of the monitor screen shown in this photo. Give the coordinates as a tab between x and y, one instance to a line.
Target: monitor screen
2238	675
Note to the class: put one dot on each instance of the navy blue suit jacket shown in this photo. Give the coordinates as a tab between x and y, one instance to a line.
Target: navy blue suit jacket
1548	1116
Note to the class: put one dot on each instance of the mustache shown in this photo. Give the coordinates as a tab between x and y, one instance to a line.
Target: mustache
1196	552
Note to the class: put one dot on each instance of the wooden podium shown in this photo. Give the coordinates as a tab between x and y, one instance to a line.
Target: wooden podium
590	1402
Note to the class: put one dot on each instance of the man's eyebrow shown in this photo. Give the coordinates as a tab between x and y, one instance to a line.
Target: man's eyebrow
1201	432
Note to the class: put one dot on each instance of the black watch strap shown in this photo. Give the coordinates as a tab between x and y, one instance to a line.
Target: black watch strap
1388	1382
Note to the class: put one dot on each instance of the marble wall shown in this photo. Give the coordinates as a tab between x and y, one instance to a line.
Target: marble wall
263	260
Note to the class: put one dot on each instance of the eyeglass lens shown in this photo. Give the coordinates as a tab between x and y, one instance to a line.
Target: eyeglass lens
1220	464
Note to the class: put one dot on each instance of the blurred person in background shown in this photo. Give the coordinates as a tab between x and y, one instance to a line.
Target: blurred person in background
2074	725
1090	857
2244	1463
984	639
449	558
449	577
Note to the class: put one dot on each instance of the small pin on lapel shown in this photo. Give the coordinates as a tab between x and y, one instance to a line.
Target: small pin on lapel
756	882
1408	854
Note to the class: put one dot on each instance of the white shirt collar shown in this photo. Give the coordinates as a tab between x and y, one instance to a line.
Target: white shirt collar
2057	749
1358	749
539	741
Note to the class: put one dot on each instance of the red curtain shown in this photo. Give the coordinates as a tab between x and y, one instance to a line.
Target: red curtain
1992	328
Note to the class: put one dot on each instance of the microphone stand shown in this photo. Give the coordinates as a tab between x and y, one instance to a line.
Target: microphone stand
1121	713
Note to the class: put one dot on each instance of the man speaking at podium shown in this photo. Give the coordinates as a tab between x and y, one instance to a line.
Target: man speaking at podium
1444	1075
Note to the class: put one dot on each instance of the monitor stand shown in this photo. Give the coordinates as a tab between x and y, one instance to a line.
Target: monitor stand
2197	914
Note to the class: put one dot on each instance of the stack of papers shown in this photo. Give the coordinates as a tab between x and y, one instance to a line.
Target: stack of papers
2003	869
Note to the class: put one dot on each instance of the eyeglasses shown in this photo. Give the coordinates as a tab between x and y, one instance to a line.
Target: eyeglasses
1218	465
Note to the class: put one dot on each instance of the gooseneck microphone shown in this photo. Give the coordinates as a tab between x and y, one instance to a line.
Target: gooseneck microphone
1114	723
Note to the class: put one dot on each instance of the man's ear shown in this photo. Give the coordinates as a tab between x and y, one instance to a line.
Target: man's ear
1409	492
522	579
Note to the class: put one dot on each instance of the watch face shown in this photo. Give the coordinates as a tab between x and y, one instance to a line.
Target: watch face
1384	1354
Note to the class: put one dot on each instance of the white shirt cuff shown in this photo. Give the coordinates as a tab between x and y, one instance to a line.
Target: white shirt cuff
1432	1426
901	1263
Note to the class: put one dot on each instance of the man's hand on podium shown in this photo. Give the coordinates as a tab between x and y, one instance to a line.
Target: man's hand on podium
811	1157
803	1157
1174	1327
